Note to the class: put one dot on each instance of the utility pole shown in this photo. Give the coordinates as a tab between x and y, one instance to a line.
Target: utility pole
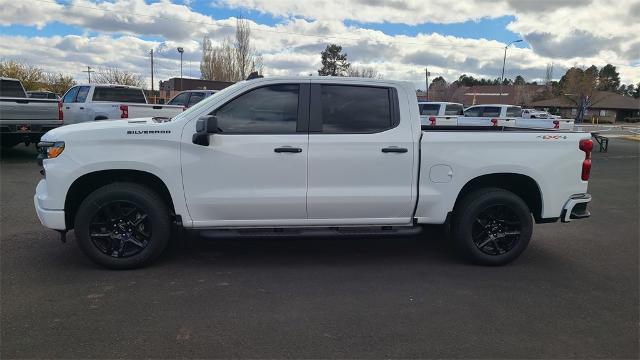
181	50
504	60
152	93
89	71
426	74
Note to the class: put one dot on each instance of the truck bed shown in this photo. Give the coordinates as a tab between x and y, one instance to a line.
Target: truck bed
465	128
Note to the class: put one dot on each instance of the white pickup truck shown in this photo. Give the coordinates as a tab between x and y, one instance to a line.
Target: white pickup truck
25	119
509	115
298	155
91	102
434	113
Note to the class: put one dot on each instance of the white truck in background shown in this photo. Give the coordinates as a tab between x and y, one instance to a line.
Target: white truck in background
452	114
24	119
509	115
440	113
91	102
299	155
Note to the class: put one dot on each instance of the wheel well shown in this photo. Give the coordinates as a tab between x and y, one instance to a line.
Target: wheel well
86	184
523	186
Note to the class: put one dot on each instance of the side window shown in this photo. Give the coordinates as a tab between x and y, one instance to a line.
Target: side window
453	109
491	111
195	98
83	91
514	111
429	109
180	99
475	111
70	96
355	109
266	110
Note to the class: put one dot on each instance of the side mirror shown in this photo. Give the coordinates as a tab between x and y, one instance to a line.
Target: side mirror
205	126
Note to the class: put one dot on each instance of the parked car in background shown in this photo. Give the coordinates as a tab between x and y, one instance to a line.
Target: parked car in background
440	113
190	97
312	155
92	102
43	94
25	119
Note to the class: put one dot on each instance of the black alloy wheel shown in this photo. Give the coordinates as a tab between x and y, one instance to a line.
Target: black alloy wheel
120	229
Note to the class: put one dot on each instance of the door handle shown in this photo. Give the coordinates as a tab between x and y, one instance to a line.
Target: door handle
81	108
287	149
394	149
67	108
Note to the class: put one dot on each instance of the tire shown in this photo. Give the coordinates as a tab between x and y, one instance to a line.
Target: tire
113	235
492	226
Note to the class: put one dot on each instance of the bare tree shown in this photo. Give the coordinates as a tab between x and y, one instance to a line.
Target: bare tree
579	87
231	60
58	83
548	75
117	76
31	77
364	72
242	48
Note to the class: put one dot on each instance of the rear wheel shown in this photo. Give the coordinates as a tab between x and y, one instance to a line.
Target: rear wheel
492	226
123	226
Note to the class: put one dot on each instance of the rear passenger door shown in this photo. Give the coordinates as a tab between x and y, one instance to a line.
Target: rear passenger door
360	161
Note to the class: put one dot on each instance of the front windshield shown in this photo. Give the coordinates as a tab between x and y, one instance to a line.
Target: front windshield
204	103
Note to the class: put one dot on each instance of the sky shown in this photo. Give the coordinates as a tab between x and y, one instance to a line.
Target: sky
399	38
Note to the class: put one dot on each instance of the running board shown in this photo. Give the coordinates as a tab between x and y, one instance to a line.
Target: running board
312	231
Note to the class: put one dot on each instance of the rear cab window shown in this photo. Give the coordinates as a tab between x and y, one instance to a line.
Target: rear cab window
491	111
474	111
453	109
514	111
11	88
119	94
429	109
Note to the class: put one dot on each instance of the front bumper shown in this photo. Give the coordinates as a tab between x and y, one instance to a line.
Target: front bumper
53	219
576	208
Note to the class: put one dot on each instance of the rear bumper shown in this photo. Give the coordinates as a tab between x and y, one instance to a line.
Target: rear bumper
53	219
576	208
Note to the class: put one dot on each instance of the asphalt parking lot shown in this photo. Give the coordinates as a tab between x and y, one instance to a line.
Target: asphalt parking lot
573	293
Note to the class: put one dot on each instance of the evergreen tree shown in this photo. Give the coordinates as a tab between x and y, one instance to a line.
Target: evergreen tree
334	62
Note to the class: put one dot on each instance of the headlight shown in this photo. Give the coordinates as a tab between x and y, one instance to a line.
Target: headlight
49	149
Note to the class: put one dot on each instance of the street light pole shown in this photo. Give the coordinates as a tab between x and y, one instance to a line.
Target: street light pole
504	60
181	50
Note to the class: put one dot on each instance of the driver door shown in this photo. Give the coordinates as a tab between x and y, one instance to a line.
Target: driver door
254	171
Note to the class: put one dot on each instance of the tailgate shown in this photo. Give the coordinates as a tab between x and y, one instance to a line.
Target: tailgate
13	110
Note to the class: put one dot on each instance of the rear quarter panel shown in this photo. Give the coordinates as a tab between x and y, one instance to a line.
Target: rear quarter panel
552	159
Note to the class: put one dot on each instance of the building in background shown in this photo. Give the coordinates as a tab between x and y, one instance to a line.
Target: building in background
173	86
607	107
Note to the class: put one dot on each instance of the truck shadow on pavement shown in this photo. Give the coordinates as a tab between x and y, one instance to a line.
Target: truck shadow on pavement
430	245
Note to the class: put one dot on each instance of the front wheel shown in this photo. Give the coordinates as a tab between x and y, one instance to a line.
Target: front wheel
123	226
492	226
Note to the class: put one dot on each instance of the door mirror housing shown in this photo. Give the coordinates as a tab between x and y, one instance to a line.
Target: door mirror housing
205	126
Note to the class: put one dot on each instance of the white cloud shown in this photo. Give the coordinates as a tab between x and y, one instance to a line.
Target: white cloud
292	47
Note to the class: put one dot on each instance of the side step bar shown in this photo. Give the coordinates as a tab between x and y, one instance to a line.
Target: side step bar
312	231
